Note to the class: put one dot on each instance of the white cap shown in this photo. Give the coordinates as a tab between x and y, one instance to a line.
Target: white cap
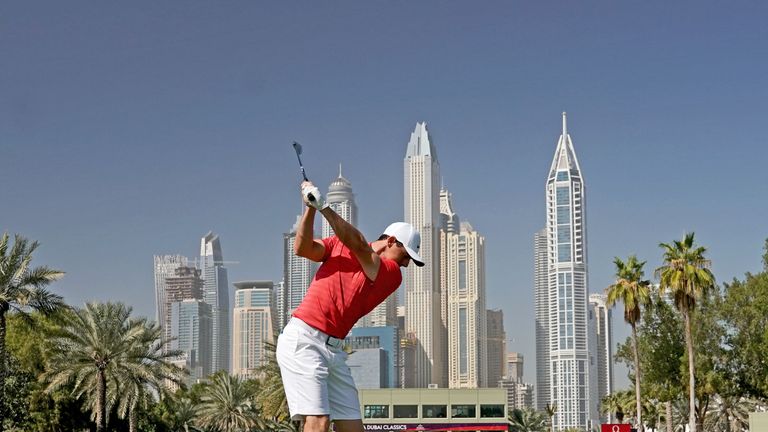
406	234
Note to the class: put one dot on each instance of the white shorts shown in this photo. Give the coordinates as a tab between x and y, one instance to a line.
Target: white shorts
316	377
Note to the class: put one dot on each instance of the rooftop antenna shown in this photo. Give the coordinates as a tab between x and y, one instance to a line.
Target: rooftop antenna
565	129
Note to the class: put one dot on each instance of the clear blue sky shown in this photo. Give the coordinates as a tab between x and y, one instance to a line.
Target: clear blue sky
131	129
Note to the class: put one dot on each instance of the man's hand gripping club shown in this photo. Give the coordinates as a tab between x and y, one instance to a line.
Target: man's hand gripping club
317	200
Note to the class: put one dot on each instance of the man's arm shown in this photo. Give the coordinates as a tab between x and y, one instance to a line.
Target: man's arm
355	241
306	245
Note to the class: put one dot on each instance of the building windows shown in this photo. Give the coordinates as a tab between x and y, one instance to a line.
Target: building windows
463	354
376	411
434	411
463	411
563	234
562	195
406	411
489	411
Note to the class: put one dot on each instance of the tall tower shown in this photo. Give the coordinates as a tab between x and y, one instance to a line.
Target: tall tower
185	284
601	336
515	367
569	356
297	274
253	325
190	331
422	284
216	294
450	225
497	346
467	347
165	266
341	199
541	309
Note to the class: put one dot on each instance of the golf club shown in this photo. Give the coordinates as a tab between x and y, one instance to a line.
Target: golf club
297	147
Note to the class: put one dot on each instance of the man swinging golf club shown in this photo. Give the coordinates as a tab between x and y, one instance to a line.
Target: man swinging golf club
354	277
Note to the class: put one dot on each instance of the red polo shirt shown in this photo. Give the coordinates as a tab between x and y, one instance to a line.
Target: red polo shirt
341	293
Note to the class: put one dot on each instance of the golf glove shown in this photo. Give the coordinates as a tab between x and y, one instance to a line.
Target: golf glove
317	201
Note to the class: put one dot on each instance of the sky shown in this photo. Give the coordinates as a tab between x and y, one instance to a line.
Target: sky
132	129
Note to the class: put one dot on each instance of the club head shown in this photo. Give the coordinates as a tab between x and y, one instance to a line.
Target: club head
297	147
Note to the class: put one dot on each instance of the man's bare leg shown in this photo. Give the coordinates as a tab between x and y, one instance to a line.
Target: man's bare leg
348	425
316	423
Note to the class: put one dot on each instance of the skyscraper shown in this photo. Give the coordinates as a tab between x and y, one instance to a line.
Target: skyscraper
164	266
216	294
515	362
464	264
190	330
566	332
280	302
297	274
497	346
541	309
519	393
253	326
601	334
422	284
450	225
185	284
341	199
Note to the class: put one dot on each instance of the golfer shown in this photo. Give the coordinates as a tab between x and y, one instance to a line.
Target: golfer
355	276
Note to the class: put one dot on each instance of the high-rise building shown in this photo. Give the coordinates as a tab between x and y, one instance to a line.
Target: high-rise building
165	265
464	265
519	393
368	367
216	294
279	300
541	309
497	346
253	326
185	284
342	200
407	348
601	334
297	274
422	284
450	225
566	333
515	367
379	338
190	329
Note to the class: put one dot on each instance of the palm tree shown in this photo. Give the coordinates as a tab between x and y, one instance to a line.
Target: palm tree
551	410
612	404
178	412
634	292
185	414
730	413
107	357
228	405
271	397
22	289
685	273
145	372
526	420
